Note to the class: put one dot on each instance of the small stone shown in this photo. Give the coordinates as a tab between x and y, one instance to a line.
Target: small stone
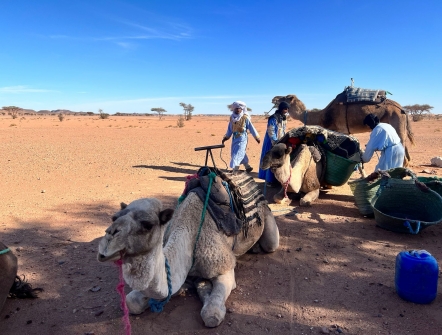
279	316
43	191
98	313
316	300
324	330
95	289
230	310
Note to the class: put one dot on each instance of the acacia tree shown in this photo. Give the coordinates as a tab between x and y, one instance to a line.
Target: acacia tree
12	110
159	110
417	109
188	110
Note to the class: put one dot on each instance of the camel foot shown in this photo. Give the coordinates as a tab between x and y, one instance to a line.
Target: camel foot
137	302
213	317
283	201
304	203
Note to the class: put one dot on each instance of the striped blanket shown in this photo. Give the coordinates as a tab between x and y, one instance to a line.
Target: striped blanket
356	94
248	199
244	198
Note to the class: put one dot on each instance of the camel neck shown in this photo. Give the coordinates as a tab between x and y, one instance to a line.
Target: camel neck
147	273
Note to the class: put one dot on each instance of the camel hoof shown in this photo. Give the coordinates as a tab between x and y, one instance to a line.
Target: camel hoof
212	320
304	203
136	302
285	201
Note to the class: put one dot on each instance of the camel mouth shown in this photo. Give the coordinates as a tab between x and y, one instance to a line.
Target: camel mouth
103	258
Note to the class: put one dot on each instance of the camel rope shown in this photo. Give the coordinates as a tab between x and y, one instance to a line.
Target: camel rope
120	290
4	251
286	184
212	176
157	306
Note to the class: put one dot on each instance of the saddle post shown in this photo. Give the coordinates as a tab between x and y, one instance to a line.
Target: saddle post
209	152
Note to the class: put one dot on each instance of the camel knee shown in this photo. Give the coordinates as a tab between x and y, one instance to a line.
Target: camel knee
137	302
269	240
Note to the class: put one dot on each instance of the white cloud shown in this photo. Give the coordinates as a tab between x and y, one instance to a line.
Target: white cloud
22	89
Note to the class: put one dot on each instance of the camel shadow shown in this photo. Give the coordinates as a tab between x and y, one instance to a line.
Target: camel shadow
166	168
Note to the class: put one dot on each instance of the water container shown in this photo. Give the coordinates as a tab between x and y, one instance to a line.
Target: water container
416	276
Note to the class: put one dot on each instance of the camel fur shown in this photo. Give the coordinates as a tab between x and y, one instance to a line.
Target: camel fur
137	235
300	175
348	118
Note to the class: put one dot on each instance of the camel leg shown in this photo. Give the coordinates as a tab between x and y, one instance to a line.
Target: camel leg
214	308
137	302
8	264
280	199
309	198
269	240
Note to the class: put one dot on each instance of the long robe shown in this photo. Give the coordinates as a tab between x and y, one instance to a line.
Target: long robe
384	138
276	127
239	139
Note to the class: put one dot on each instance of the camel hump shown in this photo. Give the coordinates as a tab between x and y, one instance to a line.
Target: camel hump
357	94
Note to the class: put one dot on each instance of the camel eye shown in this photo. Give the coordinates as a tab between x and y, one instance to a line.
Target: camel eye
146	224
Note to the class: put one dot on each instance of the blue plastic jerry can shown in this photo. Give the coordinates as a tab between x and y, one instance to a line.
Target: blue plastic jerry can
416	277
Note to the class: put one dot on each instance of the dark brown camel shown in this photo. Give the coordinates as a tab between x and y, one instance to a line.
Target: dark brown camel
348	118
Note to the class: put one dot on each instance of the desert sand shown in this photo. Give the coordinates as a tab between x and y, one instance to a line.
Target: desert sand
62	181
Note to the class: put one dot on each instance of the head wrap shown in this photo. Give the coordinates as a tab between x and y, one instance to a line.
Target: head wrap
283	105
371	120
234	106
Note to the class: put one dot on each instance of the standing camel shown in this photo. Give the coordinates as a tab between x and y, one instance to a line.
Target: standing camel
348	118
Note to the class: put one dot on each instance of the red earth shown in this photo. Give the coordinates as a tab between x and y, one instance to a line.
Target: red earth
62	181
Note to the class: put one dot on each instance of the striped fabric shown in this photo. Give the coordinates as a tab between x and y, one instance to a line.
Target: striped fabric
356	94
248	199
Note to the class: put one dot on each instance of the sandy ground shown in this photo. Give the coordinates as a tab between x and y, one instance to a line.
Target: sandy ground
62	181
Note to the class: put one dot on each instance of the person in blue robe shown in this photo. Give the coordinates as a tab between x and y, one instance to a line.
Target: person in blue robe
276	128
240	124
385	139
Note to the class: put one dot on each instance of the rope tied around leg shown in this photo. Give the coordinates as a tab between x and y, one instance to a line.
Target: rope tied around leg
157	306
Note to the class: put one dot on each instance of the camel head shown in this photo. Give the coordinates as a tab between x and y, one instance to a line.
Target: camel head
275	157
297	107
136	229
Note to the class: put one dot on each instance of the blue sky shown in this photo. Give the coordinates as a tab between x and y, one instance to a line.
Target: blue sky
131	56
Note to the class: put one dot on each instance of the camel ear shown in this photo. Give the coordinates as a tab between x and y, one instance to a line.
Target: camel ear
288	150
165	215
123	205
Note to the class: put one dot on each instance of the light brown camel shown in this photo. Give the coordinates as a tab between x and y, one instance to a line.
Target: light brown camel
189	249
301	175
348	118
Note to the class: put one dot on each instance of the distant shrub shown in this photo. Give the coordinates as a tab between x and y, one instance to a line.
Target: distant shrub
180	122
12	125
61	117
417	118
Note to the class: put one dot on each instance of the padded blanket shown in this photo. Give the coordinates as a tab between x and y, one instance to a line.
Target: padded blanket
340	144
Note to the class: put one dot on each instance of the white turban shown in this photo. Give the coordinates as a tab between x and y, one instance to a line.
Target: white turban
239	104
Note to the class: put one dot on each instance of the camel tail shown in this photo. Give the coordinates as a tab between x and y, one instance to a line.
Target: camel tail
409	131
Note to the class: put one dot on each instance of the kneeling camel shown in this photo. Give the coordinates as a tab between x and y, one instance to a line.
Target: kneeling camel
189	249
302	175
